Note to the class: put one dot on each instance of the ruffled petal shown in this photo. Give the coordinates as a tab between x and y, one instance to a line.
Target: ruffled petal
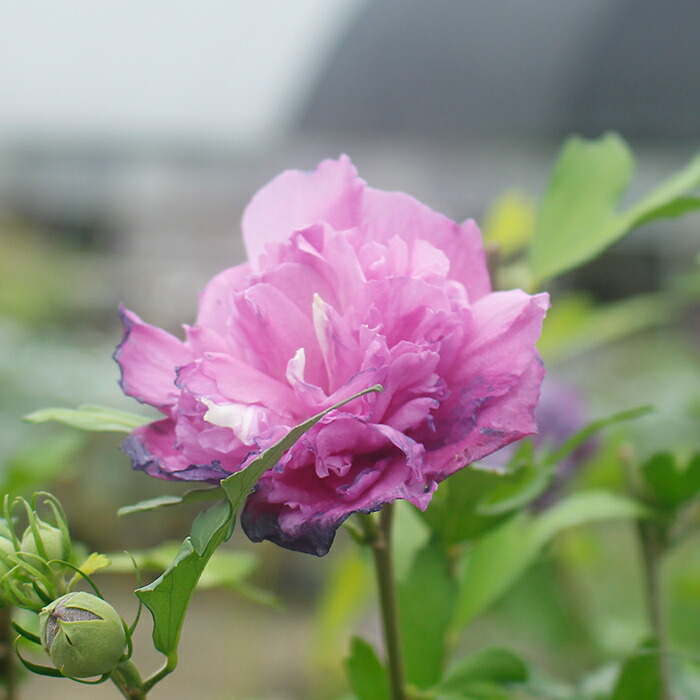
297	199
148	358
153	449
390	214
472	431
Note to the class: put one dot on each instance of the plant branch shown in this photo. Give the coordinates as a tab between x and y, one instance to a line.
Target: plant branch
652	540
128	680
167	669
379	539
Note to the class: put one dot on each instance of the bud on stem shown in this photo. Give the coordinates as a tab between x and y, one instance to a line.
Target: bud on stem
83	635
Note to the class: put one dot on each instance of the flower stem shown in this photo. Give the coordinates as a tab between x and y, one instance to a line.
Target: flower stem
127	678
652	539
379	539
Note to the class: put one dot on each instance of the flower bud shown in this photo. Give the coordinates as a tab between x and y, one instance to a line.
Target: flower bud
83	635
52	539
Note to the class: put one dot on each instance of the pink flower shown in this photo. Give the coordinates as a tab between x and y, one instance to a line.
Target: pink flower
346	287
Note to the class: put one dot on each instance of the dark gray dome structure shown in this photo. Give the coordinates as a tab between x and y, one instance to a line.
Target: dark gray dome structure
541	66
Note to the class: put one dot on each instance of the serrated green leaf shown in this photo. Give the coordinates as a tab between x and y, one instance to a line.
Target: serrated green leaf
496	665
368	677
578	216
238	486
90	417
427	597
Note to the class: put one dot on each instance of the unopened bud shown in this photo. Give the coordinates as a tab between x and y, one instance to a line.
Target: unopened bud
83	635
51	538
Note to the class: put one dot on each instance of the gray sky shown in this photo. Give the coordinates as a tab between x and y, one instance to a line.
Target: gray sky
233	70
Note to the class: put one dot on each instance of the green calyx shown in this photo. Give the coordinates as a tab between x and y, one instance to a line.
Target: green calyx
83	635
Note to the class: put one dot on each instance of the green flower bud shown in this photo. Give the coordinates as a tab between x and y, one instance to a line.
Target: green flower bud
6	548
51	538
83	635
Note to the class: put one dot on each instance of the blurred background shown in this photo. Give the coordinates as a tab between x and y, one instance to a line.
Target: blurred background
132	134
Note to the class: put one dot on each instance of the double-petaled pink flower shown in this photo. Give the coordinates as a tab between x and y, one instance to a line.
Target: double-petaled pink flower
347	287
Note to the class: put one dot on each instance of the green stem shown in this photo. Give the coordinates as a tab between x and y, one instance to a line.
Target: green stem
167	669
379	539
652	539
8	667
127	678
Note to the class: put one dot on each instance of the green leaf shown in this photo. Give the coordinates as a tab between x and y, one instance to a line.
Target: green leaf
669	210
498	666
501	556
492	565
584	508
168	596
426	605
577	214
669	482
669	199
578	217
208	494
239	485
368	677
640	677
90	417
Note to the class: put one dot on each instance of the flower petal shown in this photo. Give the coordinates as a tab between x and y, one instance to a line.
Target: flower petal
296	199
147	357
